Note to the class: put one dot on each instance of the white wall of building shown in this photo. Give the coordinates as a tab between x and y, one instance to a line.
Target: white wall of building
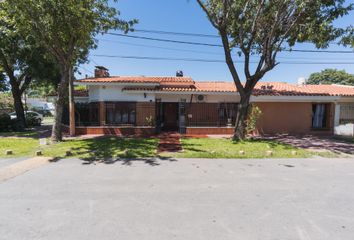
208	98
115	93
344	111
344	130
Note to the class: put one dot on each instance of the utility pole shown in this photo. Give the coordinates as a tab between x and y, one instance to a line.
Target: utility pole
71	105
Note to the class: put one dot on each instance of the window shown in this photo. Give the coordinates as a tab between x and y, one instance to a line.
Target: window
319	116
120	113
346	113
227	113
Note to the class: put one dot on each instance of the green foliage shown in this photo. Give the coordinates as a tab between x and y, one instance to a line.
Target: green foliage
3	82
265	28
31	121
348	38
282	21
39	90
66	28
331	76
254	114
6	101
5	122
150	120
80	88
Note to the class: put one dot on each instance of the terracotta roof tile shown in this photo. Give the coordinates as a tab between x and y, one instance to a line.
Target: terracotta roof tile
261	89
77	93
137	79
186	84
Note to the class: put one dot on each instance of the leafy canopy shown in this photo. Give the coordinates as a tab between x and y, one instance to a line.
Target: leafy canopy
67	27
260	29
331	76
21	57
3	82
263	27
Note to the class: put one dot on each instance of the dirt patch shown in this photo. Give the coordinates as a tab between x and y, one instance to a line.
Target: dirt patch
19	168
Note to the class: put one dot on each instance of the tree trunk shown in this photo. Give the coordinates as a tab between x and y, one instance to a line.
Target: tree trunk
17	96
71	105
242	113
59	105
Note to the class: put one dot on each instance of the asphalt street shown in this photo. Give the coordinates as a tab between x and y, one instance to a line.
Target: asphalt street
181	199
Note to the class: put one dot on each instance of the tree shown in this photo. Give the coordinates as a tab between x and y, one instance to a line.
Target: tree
3	82
66	28
13	52
260	29
348	38
331	76
21	59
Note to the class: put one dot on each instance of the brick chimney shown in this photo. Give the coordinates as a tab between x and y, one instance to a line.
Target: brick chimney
101	72
179	73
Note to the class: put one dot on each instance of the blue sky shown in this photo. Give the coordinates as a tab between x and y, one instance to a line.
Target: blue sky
186	16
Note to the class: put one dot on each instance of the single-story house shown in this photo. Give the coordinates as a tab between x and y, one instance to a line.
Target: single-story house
144	105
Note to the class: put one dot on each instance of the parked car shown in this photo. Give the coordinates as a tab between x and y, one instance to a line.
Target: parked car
32	118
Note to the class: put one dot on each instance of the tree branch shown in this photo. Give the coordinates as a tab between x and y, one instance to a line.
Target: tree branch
210	17
25	84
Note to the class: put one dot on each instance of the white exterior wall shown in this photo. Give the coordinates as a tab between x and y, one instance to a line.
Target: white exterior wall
115	93
343	129
208	98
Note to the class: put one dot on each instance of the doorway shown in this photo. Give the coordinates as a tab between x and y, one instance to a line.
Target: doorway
166	116
170	117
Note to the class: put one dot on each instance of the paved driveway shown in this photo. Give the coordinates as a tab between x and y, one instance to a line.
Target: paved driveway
183	199
318	143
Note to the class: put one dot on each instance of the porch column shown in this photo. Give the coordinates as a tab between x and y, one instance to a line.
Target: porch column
336	114
102	111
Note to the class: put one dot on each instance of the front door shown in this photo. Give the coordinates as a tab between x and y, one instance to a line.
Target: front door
170	122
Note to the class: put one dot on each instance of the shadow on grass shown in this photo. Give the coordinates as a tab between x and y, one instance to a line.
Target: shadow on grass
30	133
195	147
271	143
111	150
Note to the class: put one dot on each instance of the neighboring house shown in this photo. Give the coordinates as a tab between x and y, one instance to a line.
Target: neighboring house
38	103
146	105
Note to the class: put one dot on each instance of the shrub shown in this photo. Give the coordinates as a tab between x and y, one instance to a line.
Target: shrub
31	121
5	122
254	114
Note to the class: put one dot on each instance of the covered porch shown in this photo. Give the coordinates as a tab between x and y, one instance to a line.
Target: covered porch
150	118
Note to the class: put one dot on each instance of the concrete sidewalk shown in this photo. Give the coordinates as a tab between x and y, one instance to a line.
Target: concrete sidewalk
19	167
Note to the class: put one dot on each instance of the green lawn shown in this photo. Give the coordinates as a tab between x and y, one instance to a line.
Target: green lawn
225	148
26	144
104	148
19	146
27	134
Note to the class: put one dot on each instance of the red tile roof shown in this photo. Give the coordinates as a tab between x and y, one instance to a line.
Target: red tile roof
77	93
261	89
186	84
137	79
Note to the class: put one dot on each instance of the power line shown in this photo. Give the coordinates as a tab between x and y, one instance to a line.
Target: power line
157	47
207	60
219	45
176	33
195	51
83	68
94	62
186	34
166	40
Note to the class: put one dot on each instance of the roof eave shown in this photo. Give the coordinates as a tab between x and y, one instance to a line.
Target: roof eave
117	84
